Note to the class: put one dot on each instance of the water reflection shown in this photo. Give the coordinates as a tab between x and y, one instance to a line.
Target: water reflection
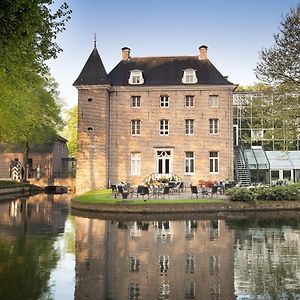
198	258
29	228
190	259
267	259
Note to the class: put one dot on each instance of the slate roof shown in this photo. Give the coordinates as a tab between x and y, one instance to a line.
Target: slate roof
156	71
167	71
93	72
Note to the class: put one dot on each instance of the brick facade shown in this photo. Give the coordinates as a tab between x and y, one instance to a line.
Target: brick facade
105	141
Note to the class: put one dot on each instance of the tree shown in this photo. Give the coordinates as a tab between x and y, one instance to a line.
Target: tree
281	63
28	30
29	112
70	130
34	120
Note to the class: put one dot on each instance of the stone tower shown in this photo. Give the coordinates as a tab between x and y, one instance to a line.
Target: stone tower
93	125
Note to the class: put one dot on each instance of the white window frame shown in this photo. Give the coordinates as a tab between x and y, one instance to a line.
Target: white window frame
189	76
213	101
135	127
189	101
189	126
164	101
135	101
135	163
136	77
214	126
214	162
189	162
164	127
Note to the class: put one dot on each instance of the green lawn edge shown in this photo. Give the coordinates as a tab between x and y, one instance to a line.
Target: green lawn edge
10	183
106	197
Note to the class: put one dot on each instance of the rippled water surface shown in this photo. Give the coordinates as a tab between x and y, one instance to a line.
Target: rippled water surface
46	253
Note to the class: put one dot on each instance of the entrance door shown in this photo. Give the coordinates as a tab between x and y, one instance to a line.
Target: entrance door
163	163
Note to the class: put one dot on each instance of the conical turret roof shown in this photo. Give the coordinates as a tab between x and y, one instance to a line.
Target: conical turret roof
93	72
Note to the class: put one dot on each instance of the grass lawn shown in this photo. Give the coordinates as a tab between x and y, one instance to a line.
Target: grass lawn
8	183
106	197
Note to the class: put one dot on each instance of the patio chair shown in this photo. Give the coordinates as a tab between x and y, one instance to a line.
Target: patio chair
194	191
139	190
177	188
214	190
205	192
114	190
165	191
145	191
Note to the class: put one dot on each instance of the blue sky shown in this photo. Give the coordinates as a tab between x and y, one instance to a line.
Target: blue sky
234	31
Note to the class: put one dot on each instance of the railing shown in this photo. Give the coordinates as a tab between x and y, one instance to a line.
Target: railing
168	177
241	164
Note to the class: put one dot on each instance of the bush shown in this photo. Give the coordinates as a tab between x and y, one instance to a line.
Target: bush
241	194
275	193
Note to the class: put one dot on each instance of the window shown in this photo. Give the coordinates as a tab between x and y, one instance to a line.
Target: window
189	101
135	163
164	264
136	77
213	125
136	101
213	162
213	101
189	126
190	290
164	101
134	263
135	127
189	162
164	127
189	263
214	265
189	76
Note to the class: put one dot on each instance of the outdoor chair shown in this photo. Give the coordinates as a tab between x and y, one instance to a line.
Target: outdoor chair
204	192
165	191
114	190
194	191
214	190
145	191
177	188
139	190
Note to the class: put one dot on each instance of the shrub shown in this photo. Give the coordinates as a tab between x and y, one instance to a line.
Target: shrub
275	193
241	194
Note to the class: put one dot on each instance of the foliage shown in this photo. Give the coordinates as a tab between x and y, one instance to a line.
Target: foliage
70	130
27	265
10	183
28	102
276	115
257	87
241	194
280	63
274	193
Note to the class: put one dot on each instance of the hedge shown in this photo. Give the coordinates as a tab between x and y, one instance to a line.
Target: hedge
273	193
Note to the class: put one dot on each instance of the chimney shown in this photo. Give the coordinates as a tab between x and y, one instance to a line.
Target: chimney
203	52
125	53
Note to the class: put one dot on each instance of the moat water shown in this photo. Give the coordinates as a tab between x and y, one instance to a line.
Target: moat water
47	253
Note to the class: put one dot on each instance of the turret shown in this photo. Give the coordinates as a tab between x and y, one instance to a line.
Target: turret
93	125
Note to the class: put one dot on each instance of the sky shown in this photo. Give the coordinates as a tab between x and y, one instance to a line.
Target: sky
235	31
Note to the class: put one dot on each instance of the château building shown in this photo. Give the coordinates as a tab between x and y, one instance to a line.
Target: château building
153	117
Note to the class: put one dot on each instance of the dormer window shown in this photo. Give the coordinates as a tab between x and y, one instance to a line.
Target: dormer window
136	77
189	76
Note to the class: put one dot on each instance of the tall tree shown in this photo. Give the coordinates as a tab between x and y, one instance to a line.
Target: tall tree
28	29
281	63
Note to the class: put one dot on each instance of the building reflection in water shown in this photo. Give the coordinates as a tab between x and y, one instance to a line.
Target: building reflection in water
191	259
